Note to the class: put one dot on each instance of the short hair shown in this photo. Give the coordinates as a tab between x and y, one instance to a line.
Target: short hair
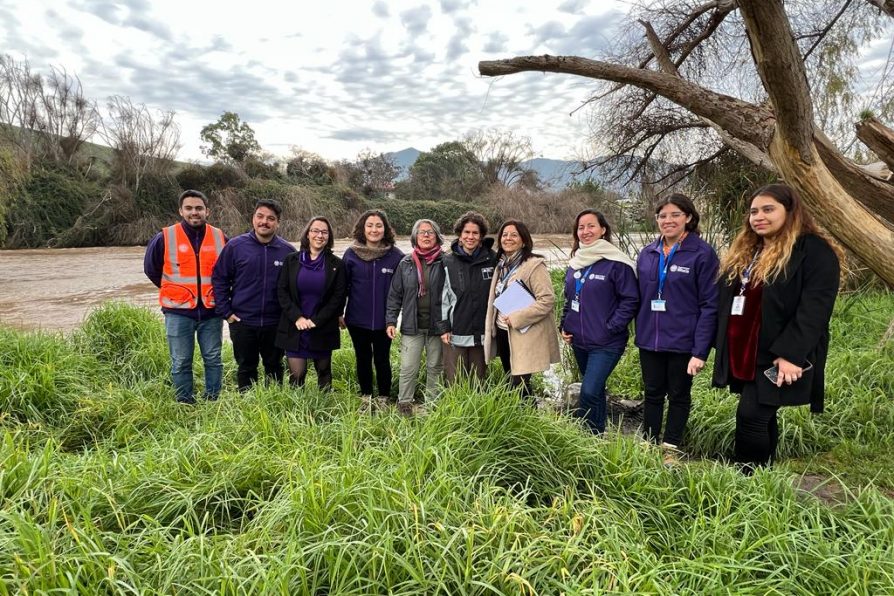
602	222
192	193
470	217
527	248
360	225
305	244
415	231
271	204
686	206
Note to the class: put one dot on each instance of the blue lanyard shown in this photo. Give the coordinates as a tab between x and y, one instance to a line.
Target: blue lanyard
580	281
746	275
663	264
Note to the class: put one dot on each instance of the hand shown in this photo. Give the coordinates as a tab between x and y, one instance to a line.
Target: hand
233	319
390	331
446	338
788	372
303	324
341	323
566	337
695	366
504	319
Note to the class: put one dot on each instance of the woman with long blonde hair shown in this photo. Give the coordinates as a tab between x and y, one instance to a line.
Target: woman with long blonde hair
778	284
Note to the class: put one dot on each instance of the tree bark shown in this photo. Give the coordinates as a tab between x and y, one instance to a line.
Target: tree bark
877	137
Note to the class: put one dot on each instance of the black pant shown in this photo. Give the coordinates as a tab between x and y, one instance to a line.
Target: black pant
757	431
664	374
503	351
372	346
248	344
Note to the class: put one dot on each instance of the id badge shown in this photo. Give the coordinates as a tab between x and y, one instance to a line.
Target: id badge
738	305
659	306
575	305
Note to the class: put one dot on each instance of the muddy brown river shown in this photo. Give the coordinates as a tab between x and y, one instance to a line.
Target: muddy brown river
54	289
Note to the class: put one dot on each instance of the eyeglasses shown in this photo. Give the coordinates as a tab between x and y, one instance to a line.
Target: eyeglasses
318	232
671	215
425	233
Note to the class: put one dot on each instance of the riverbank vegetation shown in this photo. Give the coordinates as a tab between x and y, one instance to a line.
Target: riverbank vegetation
109	486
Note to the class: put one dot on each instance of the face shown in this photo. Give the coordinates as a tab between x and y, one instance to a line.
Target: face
766	216
672	222
470	237
264	223
194	212
510	240
425	237
589	230
373	229
318	235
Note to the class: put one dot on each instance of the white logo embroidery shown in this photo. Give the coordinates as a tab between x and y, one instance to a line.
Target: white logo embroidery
673	267
183	247
386	270
597	276
680	269
277	263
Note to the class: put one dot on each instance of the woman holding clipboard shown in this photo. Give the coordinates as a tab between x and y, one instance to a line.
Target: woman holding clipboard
524	336
778	284
601	298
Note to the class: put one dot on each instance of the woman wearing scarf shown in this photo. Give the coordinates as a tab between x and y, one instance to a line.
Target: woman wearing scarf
416	295
524	339
601	298
370	264
311	291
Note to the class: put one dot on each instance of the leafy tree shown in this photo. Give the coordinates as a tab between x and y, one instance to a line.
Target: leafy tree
309	168
229	139
449	171
500	155
377	173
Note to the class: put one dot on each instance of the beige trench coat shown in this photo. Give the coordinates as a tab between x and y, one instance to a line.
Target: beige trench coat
537	348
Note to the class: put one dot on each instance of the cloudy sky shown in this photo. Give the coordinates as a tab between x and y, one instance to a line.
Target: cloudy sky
332	77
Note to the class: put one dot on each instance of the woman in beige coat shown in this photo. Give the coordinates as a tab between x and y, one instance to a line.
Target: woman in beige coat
525	339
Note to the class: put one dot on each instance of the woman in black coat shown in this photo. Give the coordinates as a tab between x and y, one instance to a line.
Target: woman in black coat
778	284
312	288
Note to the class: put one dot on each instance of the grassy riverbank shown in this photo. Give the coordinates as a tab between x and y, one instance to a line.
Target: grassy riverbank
107	486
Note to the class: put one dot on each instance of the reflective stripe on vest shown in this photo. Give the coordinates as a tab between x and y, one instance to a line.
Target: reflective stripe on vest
181	281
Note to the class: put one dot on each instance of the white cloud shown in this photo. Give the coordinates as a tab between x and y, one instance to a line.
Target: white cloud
331	77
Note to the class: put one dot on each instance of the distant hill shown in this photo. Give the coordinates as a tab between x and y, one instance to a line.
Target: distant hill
556	174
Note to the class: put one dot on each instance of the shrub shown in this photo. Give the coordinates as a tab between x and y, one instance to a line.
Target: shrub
157	195
217	176
402	214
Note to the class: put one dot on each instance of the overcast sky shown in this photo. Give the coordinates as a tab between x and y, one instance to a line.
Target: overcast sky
332	77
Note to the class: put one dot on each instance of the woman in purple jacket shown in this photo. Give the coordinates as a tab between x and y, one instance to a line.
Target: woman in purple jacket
370	264
601	298
677	316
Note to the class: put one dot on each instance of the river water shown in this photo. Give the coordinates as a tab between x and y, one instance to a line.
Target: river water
54	289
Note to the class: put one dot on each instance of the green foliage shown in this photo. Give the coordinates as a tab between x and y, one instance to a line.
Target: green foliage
403	214
229	139
217	176
255	168
450	171
12	174
49	203
157	195
309	168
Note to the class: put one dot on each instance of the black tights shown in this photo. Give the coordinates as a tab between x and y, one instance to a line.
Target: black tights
504	352
757	431
298	371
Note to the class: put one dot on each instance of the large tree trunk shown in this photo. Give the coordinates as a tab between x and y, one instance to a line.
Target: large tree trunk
836	191
877	137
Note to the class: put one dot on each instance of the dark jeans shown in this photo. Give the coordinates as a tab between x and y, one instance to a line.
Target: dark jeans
372	346
664	374
251	344
595	366
464	359
757	431
503	351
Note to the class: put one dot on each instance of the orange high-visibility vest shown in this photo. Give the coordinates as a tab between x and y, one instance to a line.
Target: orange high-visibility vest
186	276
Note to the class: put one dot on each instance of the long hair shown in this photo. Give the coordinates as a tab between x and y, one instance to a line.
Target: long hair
527	249
774	256
359	235
602	222
330	241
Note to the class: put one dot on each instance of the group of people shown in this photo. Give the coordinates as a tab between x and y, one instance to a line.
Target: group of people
765	307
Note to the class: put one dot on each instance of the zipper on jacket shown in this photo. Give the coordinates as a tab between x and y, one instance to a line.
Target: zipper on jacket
264	285
372	321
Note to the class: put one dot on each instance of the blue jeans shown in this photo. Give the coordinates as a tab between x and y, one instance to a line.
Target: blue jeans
595	367
182	334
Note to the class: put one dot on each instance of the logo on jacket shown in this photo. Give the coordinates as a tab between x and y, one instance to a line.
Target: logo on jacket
183	247
386	270
487	273
277	263
597	276
679	269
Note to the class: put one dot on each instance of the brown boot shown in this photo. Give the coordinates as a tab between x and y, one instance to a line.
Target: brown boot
405	408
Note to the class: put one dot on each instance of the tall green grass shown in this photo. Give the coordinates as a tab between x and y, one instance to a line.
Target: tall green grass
107	486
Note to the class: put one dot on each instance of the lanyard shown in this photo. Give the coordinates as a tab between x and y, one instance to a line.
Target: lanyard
579	281
746	275
663	264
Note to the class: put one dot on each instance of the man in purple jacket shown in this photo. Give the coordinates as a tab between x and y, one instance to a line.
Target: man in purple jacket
244	281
